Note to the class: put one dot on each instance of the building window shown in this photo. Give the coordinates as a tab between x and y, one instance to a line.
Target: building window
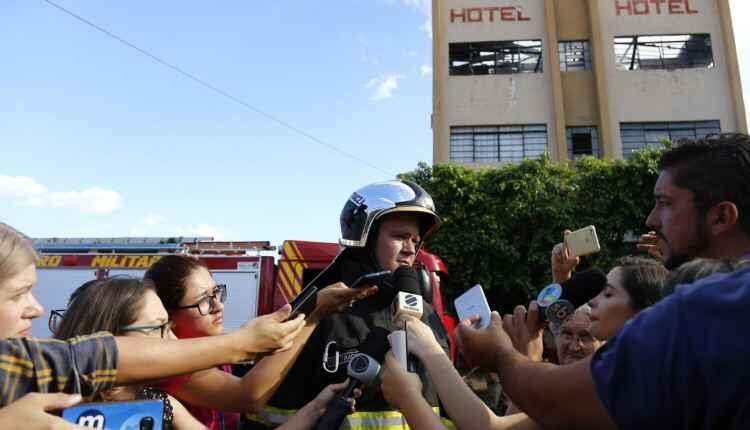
495	144
636	135
491	58
667	52
582	141
575	56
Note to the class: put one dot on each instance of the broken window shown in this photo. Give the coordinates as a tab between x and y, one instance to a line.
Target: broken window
582	141
575	56
667	52
636	135
490	58
493	144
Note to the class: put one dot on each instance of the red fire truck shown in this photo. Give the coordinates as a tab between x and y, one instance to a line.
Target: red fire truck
260	277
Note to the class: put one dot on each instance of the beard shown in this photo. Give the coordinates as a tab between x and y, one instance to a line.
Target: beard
698	244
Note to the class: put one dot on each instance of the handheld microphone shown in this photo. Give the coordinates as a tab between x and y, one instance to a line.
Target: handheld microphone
408	302
363	370
558	301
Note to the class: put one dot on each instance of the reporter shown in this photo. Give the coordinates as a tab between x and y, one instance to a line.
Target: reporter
195	304
634	284
124	306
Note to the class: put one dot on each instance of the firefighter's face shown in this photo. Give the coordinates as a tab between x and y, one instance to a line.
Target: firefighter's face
207	319
398	239
18	306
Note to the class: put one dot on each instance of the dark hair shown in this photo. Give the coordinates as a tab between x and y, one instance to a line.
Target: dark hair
714	169
642	278
169	276
699	268
103	305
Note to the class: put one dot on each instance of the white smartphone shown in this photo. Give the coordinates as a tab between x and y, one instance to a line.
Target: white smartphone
582	242
473	302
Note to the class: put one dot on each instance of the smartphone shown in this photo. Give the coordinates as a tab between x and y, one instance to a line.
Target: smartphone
473	302
138	415
582	242
371	279
304	302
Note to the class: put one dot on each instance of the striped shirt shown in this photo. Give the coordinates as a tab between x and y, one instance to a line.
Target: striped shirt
82	365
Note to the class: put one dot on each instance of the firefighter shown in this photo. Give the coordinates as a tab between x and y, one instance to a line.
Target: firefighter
383	226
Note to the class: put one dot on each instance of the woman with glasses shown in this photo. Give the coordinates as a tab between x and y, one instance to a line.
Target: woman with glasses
123	306
195	304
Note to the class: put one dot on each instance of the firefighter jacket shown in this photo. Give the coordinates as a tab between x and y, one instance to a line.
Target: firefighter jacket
324	359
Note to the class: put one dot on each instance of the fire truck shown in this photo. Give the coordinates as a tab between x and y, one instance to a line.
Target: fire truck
259	277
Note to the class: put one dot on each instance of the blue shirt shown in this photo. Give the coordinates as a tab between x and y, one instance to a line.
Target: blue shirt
684	363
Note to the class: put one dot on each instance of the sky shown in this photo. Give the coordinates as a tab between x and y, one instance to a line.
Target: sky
98	139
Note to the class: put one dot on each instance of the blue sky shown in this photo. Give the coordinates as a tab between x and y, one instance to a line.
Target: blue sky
99	140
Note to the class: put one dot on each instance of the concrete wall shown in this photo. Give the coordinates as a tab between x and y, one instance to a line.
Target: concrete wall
523	98
659	95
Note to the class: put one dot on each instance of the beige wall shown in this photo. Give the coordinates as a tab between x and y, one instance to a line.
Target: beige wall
627	96
680	95
493	99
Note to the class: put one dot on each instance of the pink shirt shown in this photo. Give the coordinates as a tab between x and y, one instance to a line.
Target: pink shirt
211	418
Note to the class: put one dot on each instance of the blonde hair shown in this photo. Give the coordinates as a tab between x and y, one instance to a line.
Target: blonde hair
16	252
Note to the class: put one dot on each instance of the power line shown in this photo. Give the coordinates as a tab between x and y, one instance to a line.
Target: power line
216	89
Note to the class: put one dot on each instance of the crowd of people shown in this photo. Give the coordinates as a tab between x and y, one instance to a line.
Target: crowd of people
660	346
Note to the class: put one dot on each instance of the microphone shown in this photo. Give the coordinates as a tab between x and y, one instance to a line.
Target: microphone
558	301
363	370
408	302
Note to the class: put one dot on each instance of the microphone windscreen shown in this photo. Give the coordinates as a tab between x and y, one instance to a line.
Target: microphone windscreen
405	279
583	286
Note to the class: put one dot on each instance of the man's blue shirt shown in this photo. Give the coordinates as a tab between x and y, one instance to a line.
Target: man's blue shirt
684	363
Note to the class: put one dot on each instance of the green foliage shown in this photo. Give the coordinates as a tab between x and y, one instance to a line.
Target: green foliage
500	223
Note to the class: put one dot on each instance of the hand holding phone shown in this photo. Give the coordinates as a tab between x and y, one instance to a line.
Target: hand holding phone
582	242
474	302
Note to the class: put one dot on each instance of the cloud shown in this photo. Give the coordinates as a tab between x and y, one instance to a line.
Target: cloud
425	70
424	7
28	192
384	87
20	186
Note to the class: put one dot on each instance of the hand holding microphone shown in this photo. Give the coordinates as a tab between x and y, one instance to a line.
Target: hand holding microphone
363	370
407	304
558	301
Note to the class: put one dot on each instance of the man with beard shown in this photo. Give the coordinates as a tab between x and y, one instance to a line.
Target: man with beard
683	362
702	200
383	226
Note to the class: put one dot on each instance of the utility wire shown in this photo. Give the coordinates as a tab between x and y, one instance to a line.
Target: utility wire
218	90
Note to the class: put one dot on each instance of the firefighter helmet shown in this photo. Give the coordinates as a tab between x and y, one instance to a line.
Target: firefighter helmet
368	204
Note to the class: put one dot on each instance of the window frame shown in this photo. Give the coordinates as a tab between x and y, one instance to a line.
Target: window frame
497	143
491	57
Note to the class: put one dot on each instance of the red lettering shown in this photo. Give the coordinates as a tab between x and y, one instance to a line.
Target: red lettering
675	7
461	15
627	7
492	11
644	10
690	11
474	14
521	17
657	4
507	13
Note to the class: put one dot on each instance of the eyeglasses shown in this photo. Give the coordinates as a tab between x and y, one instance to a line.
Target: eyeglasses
55	316
150	328
206	305
585	339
